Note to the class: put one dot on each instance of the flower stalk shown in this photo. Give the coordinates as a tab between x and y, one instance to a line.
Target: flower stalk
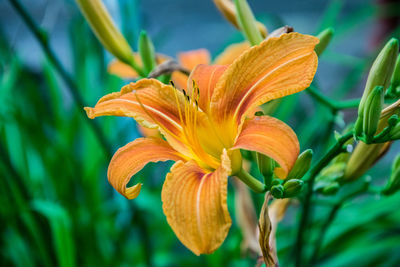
108	34
247	22
228	10
251	181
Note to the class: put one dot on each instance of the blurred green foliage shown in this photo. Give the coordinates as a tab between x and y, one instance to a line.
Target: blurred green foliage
57	208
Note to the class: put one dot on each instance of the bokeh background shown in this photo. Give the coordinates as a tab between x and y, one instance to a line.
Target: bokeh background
56	206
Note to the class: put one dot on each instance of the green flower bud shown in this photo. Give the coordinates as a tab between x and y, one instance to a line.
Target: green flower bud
395	132
393	120
247	22
364	155
266	165
324	39
329	176
358	126
146	51
381	70
276	181
395	82
330	189
393	184
396	163
301	166
293	187
372	112
108	34
277	191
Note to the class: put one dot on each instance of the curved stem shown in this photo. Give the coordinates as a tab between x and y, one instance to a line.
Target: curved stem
335	150
250	181
330	103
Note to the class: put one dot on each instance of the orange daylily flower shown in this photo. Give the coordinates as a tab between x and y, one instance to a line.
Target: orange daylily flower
189	60
205	127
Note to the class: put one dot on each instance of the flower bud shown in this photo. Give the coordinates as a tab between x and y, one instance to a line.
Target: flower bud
372	112
276	181
364	156
358	126
301	166
330	189
396	163
146	51
324	39
395	132
292	187
266	165
393	184
103	26
277	191
247	22
327	182
394	89
381	70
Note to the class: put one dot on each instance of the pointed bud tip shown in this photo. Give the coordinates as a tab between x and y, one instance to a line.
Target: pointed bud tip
143	33
393	43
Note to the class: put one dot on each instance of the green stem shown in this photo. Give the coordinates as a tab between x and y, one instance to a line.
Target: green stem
247	22
330	103
250	181
347	104
41	37
335	150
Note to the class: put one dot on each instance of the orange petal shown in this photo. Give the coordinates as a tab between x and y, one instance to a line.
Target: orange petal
148	101
189	60
205	78
231	53
148	132
271	137
131	158
194	202
123	70
277	67
151	103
